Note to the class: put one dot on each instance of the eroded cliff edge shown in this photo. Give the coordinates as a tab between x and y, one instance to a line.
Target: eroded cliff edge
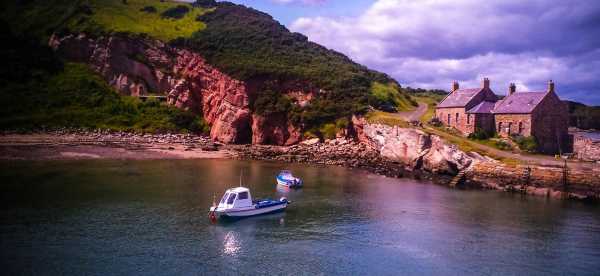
142	66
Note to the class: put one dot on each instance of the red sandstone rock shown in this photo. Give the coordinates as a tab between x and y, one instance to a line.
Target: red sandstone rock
136	66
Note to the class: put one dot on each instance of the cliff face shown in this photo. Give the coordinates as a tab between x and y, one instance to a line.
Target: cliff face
141	66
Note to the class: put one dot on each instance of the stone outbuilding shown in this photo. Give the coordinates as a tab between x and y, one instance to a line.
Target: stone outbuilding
539	114
586	145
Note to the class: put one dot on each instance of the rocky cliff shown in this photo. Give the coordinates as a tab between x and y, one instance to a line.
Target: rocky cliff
139	66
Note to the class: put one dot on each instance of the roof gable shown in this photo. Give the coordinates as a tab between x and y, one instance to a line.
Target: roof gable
520	102
460	98
483	107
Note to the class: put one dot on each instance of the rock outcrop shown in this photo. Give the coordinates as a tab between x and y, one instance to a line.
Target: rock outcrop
413	147
139	66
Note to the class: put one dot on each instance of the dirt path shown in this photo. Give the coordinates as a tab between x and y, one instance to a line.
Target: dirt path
413	115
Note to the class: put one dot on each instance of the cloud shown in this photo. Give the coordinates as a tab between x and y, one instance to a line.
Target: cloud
429	43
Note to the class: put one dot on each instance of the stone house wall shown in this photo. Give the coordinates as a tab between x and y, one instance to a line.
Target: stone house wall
451	121
517	124
483	121
550	123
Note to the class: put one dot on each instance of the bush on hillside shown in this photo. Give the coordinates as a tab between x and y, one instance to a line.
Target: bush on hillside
177	12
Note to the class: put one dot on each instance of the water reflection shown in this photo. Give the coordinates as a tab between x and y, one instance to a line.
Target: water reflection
131	217
231	244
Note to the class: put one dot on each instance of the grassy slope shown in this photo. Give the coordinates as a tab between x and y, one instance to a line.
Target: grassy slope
392	94
38	90
103	16
431	99
77	97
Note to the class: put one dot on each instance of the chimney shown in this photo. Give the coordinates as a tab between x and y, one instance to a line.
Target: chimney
454	86
486	83
550	86
512	88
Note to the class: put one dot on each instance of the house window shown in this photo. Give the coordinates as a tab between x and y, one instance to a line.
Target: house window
448	118
468	119
508	128
456	118
520	127
500	127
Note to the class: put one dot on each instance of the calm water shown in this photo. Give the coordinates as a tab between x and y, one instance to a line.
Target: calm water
149	217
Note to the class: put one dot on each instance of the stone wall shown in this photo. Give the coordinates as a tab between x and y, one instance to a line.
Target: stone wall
543	181
586	148
519	124
550	123
483	121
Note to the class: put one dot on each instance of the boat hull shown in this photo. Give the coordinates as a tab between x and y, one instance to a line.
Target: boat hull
289	183
251	212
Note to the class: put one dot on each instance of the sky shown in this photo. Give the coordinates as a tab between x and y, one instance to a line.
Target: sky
430	43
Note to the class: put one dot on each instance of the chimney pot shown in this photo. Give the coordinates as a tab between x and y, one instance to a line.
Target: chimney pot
454	86
486	83
512	88
550	86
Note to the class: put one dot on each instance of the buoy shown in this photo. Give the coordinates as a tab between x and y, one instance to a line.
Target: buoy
212	216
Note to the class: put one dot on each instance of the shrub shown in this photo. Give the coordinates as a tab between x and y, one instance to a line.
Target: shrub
149	9
528	144
270	102
435	122
479	134
329	131
177	12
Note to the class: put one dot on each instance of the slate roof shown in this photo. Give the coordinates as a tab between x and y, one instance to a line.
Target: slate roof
459	98
519	103
483	107
593	136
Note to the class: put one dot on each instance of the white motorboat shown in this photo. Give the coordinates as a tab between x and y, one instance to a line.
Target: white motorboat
285	178
237	203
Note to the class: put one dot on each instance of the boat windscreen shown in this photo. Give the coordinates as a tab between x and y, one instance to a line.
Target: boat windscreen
231	198
224	198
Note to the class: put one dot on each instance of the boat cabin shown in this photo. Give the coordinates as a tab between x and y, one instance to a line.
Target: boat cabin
238	197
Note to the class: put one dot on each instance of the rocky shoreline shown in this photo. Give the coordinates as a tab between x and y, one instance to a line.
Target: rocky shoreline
436	161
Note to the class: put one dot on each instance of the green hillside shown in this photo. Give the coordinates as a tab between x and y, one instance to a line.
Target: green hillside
243	42
164	20
583	116
40	91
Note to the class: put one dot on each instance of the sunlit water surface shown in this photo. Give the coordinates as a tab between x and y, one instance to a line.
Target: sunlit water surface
149	217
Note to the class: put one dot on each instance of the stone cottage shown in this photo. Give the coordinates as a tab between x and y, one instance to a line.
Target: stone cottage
468	109
539	114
